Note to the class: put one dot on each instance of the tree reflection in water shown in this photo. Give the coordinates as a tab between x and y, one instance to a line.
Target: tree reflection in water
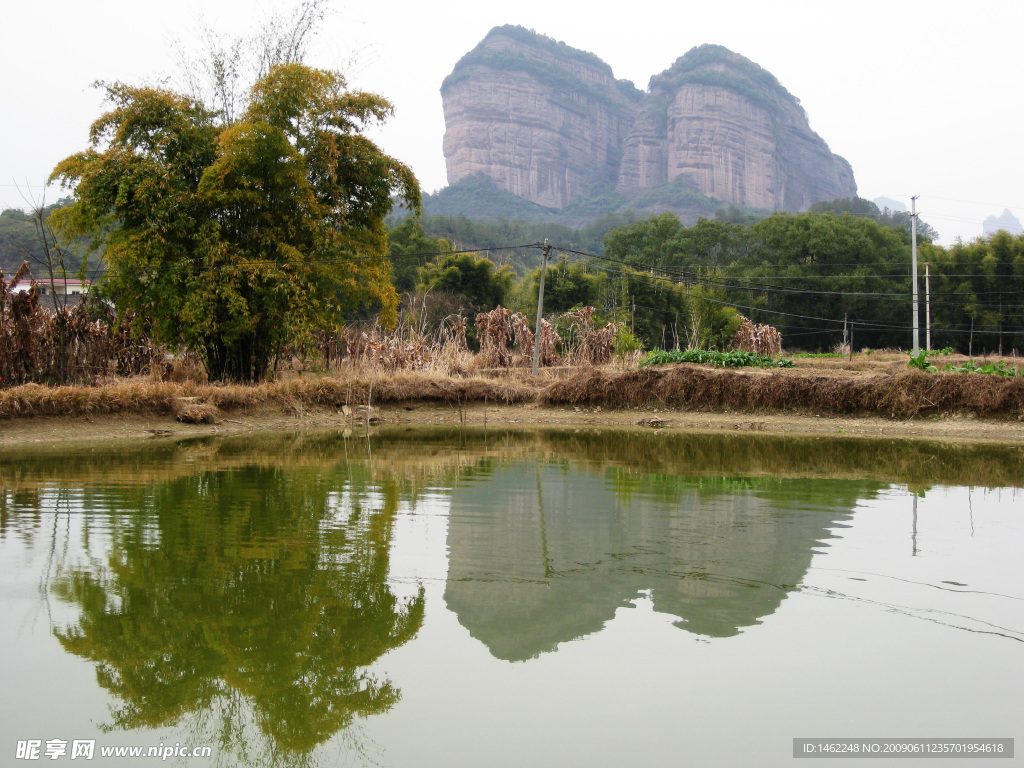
244	606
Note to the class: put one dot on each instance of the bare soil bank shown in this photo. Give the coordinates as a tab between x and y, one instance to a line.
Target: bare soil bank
812	402
121	427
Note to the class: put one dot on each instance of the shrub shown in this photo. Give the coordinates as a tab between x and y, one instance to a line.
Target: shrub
734	359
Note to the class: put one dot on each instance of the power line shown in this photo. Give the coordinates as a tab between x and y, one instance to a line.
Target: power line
692	278
674	276
863	324
317	261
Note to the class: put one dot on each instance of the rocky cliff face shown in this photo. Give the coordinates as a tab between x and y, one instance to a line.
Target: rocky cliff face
551	124
545	121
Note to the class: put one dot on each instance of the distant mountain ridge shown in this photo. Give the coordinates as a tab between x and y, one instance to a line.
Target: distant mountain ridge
552	125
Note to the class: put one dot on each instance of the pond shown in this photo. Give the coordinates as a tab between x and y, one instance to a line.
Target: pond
504	598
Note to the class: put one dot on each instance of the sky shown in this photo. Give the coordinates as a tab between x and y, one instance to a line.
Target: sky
921	98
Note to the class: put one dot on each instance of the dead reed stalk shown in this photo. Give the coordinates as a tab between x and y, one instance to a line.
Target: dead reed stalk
61	344
494	330
587	344
764	340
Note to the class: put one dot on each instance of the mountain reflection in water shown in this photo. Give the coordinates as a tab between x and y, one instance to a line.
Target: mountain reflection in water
544	553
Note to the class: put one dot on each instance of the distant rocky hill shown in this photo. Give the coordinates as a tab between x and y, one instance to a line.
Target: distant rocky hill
1007	221
550	124
888	202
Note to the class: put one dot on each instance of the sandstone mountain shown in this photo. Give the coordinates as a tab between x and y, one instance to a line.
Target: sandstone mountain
551	125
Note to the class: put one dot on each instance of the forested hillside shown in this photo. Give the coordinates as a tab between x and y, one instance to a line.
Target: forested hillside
807	273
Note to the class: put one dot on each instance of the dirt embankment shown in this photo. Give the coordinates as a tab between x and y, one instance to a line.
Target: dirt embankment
817	397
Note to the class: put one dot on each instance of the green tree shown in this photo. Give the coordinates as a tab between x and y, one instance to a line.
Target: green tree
566	287
238	239
978	293
898	221
712	323
645	242
479	286
663	241
405	240
657	312
800	272
807	271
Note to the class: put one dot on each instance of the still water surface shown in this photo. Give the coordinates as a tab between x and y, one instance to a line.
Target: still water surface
557	598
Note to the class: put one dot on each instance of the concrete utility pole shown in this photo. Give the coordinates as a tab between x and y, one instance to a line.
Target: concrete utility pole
927	309
913	259
540	307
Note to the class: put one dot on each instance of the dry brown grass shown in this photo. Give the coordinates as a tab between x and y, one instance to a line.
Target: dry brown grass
198	413
167	398
892	391
379	351
905	394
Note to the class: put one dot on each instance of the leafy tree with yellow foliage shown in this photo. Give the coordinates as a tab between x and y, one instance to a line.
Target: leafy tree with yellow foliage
240	238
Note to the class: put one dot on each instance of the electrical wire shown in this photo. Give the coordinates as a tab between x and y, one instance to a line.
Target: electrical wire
691	278
853	323
675	276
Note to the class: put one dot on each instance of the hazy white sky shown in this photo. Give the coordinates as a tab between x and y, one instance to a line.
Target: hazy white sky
921	98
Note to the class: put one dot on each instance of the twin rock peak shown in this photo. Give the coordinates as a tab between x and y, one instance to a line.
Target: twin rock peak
551	124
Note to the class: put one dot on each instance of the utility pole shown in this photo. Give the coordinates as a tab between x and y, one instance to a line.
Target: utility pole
913	532
927	309
846	338
913	259
540	307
